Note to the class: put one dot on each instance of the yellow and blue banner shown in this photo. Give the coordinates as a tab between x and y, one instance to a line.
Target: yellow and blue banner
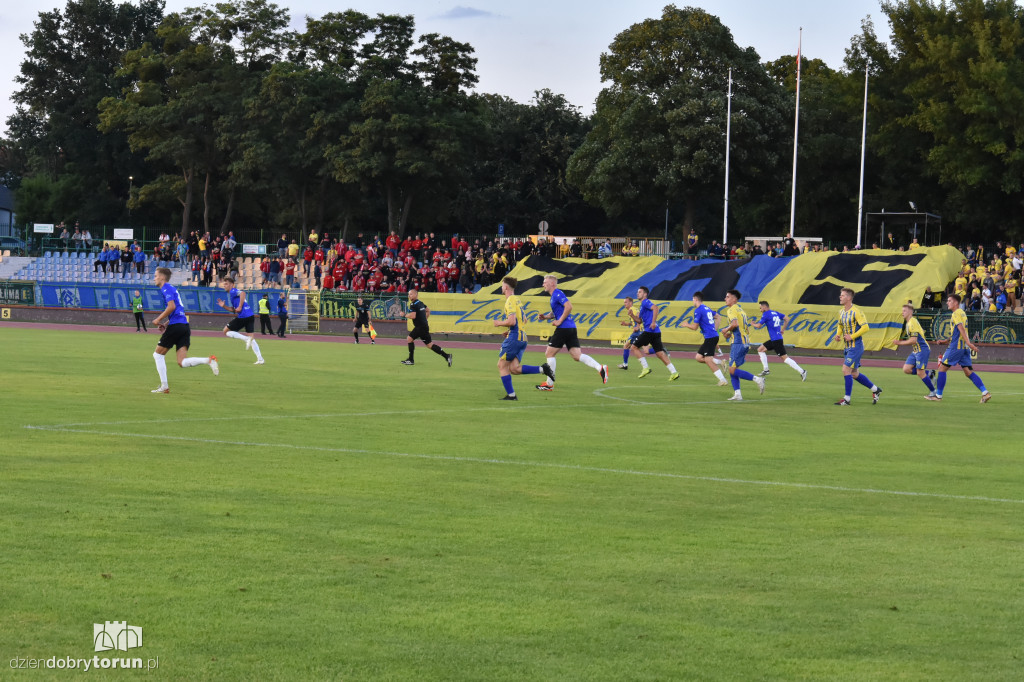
805	288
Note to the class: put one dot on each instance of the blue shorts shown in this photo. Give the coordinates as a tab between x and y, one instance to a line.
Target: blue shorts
738	354
851	356
956	356
512	349
633	337
919	360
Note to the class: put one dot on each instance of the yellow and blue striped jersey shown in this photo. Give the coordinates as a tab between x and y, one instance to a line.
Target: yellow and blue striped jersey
956	341
916	331
741	334
851	322
514	307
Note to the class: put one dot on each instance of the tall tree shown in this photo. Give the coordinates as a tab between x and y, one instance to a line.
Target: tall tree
659	130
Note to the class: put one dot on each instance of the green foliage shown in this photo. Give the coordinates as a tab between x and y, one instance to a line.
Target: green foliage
659	130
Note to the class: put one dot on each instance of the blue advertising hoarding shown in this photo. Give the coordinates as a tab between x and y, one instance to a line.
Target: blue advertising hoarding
114	297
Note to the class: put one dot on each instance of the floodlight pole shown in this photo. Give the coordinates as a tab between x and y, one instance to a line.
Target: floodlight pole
728	135
863	147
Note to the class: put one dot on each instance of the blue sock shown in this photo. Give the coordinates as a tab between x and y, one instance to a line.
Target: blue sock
625	356
530	369
651	351
506	381
940	384
976	380
848	382
929	384
735	382
743	374
864	381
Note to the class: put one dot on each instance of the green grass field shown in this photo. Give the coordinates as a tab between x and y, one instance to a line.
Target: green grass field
333	515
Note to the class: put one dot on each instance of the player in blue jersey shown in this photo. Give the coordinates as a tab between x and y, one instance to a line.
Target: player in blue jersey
650	335
175	331
632	320
852	327
565	335
917	361
704	321
245	318
959	352
510	356
739	329
773	321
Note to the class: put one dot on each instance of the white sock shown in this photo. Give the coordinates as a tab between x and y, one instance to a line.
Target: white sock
236	335
671	368
792	363
590	362
256	349
719	375
551	363
643	362
764	359
161	368
717	361
192	362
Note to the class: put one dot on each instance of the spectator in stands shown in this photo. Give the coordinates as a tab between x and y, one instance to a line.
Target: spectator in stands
307	260
197	268
275	271
289	272
204	245
87	238
914	245
293	250
605	250
125	256
207	273
575	249
78	239
65	236
317	272
101	260
1000	299
313	240
282	246
182	253
691	241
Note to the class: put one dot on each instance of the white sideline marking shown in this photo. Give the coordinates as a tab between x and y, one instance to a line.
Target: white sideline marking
600	393
547	465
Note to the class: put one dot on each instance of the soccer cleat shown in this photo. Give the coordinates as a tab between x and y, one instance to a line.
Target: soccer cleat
548	372
875	395
765	373
248	342
645	372
760	384
673	376
261	361
844	401
449	359
736	398
162	389
373	342
356	342
545	387
214	365
936	398
407	361
803	375
723	383
985	397
623	366
510	397
930	396
604	374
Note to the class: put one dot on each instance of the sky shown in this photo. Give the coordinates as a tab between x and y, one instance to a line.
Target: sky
529	45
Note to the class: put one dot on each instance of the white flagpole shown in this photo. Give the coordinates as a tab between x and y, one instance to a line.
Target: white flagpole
863	147
728	134
796	128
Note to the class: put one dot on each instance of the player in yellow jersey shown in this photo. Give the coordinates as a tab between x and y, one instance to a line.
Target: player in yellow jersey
958	352
739	330
514	344
917	361
851	329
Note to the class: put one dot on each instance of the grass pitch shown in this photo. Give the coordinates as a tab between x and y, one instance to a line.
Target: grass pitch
335	515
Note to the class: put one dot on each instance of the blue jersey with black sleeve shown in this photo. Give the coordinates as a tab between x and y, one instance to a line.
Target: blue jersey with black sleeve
705	317
171	294
773	321
558	301
235	298
647	317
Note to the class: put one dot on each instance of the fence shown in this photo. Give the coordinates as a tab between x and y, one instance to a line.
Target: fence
982	327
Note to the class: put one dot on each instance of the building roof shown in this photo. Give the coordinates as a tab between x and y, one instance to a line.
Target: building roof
6	199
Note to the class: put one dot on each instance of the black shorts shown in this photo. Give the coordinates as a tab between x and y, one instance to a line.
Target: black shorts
564	338
176	335
418	333
652	339
707	349
778	347
362	321
247	323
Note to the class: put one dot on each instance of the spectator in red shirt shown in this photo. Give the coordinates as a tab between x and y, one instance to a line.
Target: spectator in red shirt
393	244
307	259
318	256
359	282
265	269
289	273
328	281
